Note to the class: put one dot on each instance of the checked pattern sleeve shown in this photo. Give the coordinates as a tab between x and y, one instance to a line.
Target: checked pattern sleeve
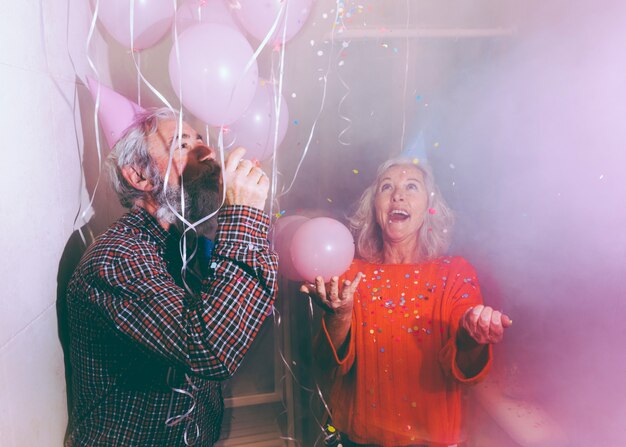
208	336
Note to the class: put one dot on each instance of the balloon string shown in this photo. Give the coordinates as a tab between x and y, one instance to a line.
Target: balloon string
139	80
323	102
173	421
277	96
346	44
406	75
90	34
343	117
81	184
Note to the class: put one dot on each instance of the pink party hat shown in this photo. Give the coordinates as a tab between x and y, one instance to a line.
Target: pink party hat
116	112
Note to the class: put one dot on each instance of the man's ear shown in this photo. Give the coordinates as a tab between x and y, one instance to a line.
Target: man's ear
136	179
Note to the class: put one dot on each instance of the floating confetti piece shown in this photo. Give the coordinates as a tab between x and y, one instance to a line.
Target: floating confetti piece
312	42
320	53
416	161
355	171
452	166
436	145
432	211
329	200
296	122
293	95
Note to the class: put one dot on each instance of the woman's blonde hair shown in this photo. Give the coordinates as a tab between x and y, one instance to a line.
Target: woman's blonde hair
434	235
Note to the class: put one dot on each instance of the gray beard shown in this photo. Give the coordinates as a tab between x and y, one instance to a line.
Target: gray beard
202	197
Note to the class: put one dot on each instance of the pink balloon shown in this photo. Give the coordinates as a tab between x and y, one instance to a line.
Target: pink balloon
258	16
281	236
151	20
322	247
209	77
115	112
255	129
192	12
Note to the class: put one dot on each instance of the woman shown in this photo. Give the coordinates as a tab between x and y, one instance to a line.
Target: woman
410	330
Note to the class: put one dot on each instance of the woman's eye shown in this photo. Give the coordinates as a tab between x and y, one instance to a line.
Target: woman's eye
385	187
412	186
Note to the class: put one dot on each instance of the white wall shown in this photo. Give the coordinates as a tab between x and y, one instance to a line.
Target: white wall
40	179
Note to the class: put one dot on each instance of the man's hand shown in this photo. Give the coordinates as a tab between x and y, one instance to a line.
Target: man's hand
246	183
484	325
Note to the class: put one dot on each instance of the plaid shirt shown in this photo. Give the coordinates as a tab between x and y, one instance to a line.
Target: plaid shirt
146	356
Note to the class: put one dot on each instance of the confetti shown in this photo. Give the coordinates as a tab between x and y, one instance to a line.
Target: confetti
296	122
355	171
436	145
329	200
432	211
293	95
320	53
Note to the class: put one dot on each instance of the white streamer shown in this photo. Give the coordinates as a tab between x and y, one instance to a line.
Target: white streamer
319	113
406	75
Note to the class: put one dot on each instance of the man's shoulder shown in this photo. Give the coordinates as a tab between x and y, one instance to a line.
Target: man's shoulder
123	239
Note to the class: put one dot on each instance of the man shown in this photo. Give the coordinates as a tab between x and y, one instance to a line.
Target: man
150	339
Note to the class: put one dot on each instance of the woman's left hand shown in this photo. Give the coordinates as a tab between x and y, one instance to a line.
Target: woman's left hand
485	325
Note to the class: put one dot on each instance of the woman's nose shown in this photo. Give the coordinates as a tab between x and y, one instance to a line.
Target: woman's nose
397	196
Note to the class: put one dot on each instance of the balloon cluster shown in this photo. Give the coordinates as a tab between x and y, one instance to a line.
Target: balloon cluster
308	248
212	66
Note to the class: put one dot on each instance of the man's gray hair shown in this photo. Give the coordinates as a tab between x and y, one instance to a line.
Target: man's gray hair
434	236
133	150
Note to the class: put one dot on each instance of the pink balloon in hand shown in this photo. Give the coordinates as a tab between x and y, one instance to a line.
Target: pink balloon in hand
322	247
281	236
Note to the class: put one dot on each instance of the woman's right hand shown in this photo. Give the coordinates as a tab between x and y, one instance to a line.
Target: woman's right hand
330	298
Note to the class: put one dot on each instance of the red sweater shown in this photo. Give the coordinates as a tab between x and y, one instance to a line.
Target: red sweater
398	383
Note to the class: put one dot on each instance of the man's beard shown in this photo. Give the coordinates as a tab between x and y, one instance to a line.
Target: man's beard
202	196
